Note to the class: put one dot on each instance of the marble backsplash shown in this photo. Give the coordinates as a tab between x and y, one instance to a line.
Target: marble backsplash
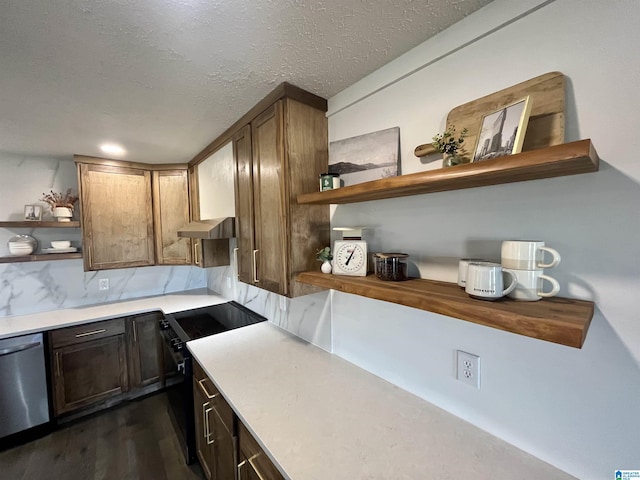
32	287
308	317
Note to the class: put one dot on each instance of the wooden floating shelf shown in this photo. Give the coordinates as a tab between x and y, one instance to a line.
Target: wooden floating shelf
559	160
40	257
32	224
559	320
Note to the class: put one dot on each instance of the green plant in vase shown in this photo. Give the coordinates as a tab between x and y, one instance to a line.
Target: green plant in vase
451	146
324	255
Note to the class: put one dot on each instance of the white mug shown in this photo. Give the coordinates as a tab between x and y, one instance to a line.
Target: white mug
485	281
530	286
463	264
527	255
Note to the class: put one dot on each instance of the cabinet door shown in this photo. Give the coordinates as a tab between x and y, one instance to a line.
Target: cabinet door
145	352
89	372
117	221
243	255
254	463
269	200
202	409
170	213
215	425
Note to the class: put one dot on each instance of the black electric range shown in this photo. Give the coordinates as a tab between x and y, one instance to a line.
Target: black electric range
176	330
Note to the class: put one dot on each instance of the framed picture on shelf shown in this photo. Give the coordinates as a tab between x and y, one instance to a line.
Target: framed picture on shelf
33	213
366	157
503	131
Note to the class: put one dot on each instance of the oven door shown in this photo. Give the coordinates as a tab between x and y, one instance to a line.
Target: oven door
178	373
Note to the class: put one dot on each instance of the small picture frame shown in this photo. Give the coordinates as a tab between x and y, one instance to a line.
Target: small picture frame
33	213
503	131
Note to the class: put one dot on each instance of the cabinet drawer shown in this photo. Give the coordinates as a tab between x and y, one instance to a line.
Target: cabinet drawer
86	332
254	462
215	398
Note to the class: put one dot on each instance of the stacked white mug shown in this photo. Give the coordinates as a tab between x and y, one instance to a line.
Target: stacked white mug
526	259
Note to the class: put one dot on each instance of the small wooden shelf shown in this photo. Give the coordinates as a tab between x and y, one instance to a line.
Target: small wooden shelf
40	257
559	160
31	224
559	320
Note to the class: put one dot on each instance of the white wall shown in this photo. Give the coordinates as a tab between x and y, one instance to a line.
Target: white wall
577	409
41	286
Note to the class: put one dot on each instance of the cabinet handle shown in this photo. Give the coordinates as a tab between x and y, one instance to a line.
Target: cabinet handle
58	372
255	267
235	261
195	252
86	334
205	420
89	255
204	389
253	467
135	334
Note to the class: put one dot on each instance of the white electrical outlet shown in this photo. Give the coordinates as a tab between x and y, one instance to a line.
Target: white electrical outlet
283	304
229	282
103	284
468	368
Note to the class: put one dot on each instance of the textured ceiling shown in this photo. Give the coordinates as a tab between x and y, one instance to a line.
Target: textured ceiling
163	78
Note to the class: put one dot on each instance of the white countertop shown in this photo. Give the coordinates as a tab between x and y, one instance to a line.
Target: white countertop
320	417
168	303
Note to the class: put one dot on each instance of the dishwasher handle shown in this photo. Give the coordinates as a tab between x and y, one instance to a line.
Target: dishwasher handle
18	348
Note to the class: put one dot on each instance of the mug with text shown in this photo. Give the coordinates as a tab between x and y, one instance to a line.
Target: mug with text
530	286
485	281
527	255
463	264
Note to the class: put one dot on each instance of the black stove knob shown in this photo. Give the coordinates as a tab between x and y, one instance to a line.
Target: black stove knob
164	325
178	346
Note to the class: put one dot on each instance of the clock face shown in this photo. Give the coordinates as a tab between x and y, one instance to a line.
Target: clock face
350	257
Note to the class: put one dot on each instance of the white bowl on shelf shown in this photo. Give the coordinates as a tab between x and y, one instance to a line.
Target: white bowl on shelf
22	245
20	249
60	244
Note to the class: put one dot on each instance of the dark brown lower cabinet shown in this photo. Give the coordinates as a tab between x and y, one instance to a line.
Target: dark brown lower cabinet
225	448
253	462
96	365
145	353
215	428
88	365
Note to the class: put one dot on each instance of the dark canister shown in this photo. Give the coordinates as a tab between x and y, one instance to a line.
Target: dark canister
391	266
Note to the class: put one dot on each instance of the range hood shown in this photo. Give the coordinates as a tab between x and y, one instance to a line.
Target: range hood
210	229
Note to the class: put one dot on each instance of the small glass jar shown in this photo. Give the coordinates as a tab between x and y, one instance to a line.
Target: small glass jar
391	266
329	181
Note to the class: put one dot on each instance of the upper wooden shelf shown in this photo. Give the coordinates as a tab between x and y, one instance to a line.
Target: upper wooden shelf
32	224
559	160
40	257
559	320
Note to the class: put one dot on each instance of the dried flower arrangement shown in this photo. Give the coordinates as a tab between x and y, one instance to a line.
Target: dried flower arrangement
54	199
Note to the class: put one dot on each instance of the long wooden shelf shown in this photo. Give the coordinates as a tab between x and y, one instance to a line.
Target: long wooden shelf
40	257
559	160
32	224
559	320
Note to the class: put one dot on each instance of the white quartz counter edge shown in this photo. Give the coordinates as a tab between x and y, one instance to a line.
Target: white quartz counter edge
167	303
321	417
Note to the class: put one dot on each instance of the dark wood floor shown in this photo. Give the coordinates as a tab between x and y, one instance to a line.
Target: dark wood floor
130	442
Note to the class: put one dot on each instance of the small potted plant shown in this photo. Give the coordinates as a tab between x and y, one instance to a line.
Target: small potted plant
324	255
61	204
451	147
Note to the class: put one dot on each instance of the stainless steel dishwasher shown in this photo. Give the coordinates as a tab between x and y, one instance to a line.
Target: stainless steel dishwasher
23	384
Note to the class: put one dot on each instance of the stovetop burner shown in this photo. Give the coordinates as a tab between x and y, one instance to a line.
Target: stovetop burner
205	321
